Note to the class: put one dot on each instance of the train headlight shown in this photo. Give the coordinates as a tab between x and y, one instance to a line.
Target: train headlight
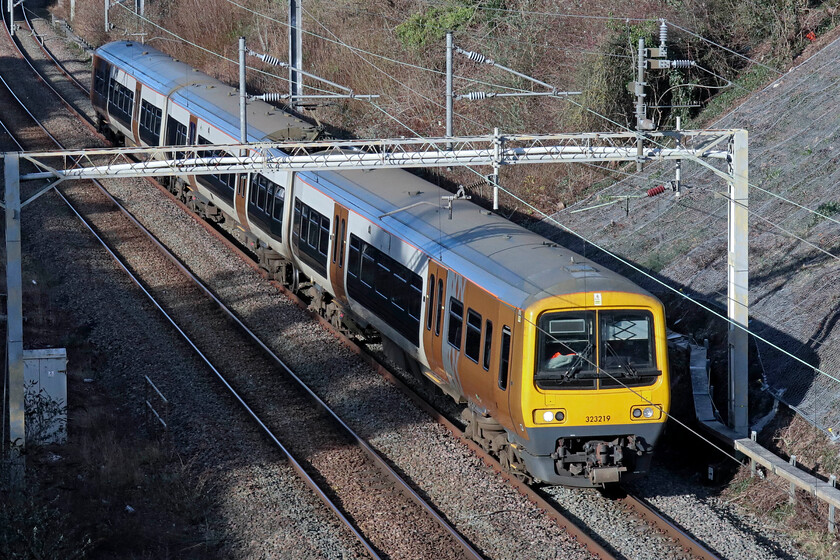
642	412
550	416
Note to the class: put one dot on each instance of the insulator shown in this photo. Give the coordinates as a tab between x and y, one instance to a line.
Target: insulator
272	97
663	33
474	96
268	59
682	63
656	190
475	57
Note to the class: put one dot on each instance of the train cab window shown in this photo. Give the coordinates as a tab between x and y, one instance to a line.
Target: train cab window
472	344
439	307
627	350
504	359
456	322
431	307
488	343
566	350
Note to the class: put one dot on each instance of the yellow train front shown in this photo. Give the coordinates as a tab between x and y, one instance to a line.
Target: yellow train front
595	389
588	385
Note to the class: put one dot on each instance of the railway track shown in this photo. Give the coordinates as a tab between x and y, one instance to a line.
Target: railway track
684	541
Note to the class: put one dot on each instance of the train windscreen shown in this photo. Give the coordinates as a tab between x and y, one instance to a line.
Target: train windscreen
607	348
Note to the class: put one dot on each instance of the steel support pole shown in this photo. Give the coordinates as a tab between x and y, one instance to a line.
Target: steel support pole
449	87
295	50
738	291
12	17
243	114
107	5
14	322
640	104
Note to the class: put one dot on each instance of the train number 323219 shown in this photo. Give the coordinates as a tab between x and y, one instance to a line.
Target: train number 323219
598	418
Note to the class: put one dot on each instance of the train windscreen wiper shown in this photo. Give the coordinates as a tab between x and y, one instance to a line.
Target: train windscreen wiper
629	370
571	371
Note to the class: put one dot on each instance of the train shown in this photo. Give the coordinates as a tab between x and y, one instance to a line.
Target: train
560	364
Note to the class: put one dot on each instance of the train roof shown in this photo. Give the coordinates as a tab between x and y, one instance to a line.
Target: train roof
204	96
518	266
509	261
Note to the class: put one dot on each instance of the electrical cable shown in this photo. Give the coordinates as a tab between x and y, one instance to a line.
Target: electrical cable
706	40
209	51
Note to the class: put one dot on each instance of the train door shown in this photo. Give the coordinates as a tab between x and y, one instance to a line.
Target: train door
135	117
240	200
338	252
191	142
505	370
433	333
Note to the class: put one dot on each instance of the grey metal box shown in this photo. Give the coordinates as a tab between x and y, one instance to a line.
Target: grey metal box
45	380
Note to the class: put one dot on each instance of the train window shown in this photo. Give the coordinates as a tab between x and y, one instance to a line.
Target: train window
382	282
353	260
120	101
262	196
440	306
150	119
343	236
279	199
385	287
311	235
431	307
415	296
176	135
399	288
488	343
472	344
368	275
456	322
504	359
101	76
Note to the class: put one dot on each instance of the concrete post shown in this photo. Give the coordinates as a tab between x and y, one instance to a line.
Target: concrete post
14	325
738	289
